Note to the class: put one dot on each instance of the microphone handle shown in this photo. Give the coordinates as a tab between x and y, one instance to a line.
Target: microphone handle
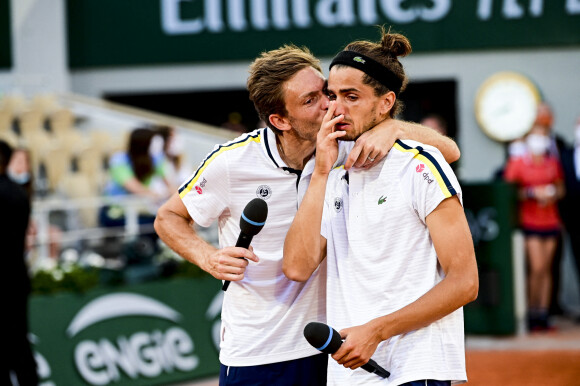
372	367
244	241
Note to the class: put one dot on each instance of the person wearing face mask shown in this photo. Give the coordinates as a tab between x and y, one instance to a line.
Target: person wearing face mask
539	177
172	151
19	169
545	121
131	173
570	204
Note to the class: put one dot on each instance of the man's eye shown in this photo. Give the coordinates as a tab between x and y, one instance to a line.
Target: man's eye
352	97
332	97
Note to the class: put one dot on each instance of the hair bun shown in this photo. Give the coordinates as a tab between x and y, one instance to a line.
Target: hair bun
396	44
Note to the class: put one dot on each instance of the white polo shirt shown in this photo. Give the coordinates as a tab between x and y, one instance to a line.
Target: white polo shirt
381	258
263	315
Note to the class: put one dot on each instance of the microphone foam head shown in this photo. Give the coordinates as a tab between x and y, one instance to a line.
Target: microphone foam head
254	217
322	337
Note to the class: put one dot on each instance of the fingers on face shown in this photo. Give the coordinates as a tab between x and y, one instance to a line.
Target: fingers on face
336	134
331	109
329	117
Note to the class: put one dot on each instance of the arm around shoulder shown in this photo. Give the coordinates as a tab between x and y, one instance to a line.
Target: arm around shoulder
428	136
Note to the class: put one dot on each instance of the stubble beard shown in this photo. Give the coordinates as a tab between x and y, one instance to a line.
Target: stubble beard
366	127
305	130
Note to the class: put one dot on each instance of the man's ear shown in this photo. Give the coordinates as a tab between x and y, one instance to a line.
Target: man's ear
279	122
387	102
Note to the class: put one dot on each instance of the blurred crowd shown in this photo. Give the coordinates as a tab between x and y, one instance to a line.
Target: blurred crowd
91	173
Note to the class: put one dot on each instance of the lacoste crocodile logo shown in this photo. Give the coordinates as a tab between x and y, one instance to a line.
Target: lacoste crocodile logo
382	200
359	59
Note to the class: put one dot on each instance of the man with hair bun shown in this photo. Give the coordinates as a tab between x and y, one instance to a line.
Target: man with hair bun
400	261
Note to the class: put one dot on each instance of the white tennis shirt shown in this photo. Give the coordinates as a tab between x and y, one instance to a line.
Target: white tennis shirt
263	315
381	258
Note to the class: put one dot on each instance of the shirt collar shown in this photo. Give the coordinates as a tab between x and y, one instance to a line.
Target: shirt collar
271	149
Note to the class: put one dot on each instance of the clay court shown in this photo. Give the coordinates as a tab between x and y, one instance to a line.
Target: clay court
547	359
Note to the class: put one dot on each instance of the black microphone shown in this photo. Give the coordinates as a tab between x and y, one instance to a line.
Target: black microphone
251	223
326	339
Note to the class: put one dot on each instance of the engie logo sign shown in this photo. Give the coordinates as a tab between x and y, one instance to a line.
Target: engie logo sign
139	353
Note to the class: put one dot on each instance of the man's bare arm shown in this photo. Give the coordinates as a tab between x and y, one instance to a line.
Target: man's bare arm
175	227
305	248
454	246
373	145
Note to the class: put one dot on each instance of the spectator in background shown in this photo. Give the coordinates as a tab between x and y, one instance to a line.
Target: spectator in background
176	171
517	148
20	366
131	172
436	122
540	180
545	122
20	171
570	205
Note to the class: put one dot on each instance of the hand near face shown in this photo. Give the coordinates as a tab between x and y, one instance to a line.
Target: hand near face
360	343
326	142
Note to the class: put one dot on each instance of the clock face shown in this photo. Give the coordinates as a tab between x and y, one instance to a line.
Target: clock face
506	106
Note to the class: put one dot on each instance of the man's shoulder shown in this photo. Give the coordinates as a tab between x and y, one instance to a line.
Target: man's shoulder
411	148
421	163
237	149
242	142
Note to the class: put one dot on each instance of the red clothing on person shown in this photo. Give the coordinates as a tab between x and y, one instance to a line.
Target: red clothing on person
528	174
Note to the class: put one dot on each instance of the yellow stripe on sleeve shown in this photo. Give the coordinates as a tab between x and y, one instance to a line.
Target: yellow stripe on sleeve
221	149
433	166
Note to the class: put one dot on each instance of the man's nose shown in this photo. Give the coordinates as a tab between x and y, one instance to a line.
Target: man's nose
339	108
325	102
